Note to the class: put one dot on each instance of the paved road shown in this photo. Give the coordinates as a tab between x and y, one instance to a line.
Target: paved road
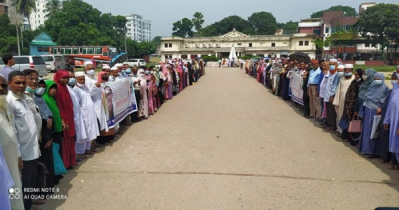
227	143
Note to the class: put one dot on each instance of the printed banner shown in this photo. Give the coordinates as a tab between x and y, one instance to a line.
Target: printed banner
120	100
296	88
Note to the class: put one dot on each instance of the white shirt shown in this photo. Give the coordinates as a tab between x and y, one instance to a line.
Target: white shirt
96	96
25	125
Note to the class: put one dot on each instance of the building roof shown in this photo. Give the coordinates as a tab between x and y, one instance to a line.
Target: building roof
343	21
309	24
43	39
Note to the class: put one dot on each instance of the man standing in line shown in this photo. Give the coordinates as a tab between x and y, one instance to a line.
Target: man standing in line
9	61
27	133
313	82
9	143
331	87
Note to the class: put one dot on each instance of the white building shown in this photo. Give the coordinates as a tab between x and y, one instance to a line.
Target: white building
137	28
263	45
364	6
38	17
7	8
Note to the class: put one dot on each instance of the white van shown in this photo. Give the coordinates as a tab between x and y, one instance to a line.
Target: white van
54	62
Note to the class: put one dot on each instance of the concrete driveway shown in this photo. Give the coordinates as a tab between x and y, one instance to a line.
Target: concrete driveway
228	143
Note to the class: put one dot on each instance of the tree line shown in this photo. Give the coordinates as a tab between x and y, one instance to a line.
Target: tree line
71	22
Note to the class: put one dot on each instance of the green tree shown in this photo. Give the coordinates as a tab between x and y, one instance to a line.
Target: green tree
139	49
157	40
348	11
24	7
288	27
380	21
8	40
226	25
198	20
78	23
52	7
264	23
183	28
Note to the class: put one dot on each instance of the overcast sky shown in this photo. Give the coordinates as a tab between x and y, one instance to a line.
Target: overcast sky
163	14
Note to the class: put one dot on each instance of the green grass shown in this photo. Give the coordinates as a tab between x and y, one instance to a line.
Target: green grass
377	68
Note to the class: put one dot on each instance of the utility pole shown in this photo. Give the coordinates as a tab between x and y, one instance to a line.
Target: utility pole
124	35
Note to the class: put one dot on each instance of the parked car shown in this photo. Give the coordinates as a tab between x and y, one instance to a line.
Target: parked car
136	62
30	62
54	62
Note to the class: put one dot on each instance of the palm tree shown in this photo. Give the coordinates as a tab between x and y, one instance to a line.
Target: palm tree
24	8
52	7
198	20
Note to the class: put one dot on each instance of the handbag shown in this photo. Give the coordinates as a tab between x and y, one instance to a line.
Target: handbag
355	126
59	167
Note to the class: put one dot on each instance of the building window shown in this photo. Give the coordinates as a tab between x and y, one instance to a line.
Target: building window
166	45
273	44
327	31
239	44
306	43
210	45
203	45
170	44
300	43
250	44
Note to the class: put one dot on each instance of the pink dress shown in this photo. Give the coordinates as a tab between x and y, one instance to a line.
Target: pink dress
150	97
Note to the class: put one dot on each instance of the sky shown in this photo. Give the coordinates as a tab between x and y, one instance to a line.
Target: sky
163	14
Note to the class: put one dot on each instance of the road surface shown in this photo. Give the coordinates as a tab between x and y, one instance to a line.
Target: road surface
227	143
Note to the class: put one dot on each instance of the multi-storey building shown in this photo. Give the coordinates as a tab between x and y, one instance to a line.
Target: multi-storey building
38	17
7	8
364	6
220	46
137	28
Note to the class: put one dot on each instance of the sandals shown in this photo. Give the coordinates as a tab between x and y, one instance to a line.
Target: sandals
394	167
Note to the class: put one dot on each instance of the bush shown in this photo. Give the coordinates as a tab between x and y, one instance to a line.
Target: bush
210	58
248	57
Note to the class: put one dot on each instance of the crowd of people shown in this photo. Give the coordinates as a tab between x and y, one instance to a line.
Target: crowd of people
356	105
49	126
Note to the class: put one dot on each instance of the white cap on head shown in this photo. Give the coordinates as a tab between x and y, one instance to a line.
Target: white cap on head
118	65
341	67
333	60
79	73
125	63
349	66
114	68
88	63
106	67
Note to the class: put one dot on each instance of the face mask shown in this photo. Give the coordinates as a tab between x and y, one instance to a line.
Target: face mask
91	72
40	91
332	67
123	71
80	85
348	74
30	90
147	72
377	82
358	80
393	82
341	74
365	77
72	81
128	71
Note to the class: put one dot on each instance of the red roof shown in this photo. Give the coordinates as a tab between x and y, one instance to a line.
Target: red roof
329	15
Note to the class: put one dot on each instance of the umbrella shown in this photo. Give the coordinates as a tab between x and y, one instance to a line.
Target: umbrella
118	59
300	57
233	53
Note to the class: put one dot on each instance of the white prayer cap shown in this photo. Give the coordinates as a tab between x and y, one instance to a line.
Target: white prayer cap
88	63
333	60
118	65
341	67
349	66
79	73
106	67
114	68
125	63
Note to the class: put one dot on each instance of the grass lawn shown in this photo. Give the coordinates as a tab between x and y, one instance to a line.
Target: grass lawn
377	68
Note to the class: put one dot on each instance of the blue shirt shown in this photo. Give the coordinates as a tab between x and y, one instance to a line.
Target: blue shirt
314	76
332	84
6	71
